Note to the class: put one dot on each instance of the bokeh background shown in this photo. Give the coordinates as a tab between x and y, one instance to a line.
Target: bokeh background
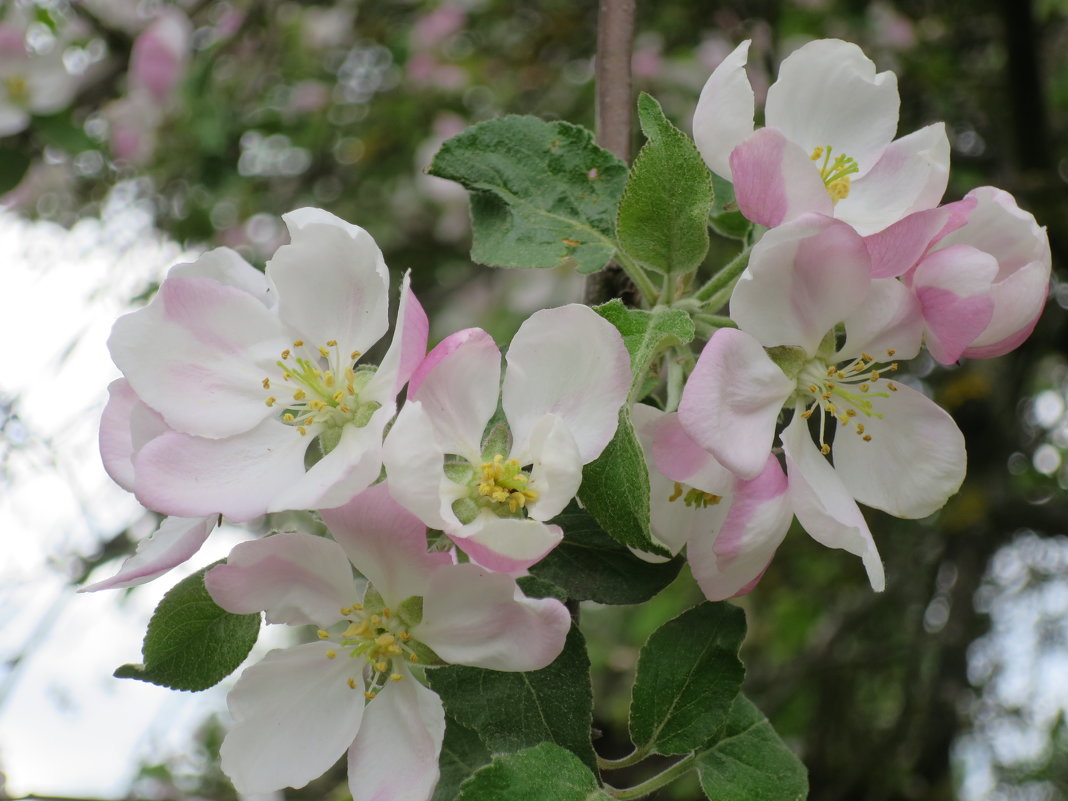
175	127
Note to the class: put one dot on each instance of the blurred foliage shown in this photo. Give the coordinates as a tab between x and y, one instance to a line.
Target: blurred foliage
342	105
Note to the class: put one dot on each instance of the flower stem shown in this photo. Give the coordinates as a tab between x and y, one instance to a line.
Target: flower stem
665	777
633	758
723	282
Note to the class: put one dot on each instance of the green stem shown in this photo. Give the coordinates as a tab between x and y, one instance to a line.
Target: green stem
716	320
636	274
725	278
661	779
676	377
633	758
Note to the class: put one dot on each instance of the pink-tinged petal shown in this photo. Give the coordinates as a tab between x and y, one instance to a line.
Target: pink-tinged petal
473	616
294	715
160	53
395	754
889	319
953	288
803	278
775	181
914	462
406	351
828	94
198	354
296	578
386	542
237	477
353	464
125	426
458	384
679	458
556	467
899	247
911	175
674	524
723	118
229	268
506	544
414	463
331	280
571	362
176	539
1018	303
729	561
732	400
823	505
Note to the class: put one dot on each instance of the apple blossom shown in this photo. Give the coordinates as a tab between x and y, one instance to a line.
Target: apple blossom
491	486
979	267
255	376
31	82
729	526
828	143
300	708
893	448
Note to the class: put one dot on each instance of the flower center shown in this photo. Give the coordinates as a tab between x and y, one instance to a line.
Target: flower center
835	174
505	482
17	89
693	498
377	638
323	387
844	392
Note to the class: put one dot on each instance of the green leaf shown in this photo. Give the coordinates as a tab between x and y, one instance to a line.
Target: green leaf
542	193
726	219
647	333
688	675
591	566
13	165
615	489
544	773
663	214
751	762
191	642
462	753
536	587
511	711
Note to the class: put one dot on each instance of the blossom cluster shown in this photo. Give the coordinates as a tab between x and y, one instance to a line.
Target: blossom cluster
246	393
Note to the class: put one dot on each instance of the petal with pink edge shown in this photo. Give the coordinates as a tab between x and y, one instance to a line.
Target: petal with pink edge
678	457
294	715
556	471
506	544
571	362
473	616
125	426
198	354
731	401
899	247
728	561
458	384
386	542
406	351
723	118
775	181
914	462
888	320
395	754
1018	303
176	539
828	94
803	279
237	477
953	287
295	578
823	505
228	268
331	280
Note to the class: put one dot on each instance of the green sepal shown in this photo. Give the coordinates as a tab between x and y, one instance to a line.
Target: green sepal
664	211
409	611
542	193
545	772
192	643
497	440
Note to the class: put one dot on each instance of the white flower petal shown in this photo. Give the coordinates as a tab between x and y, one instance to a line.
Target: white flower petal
506	544
125	426
723	118
888	319
229	268
556	471
406	351
176	539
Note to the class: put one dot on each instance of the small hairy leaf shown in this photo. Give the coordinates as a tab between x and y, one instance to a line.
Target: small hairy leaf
191	642
663	214
544	773
751	762
542	193
647	333
511	711
688	675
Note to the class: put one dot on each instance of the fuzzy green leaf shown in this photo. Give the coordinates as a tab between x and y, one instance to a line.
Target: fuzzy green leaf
191	642
663	214
751	762
511	711
542	193
591	566
647	333
688	675
462	753
546	772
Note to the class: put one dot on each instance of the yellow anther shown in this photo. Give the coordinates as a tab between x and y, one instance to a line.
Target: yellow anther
344	408
369	694
832	408
303	431
356	630
817	154
831	370
298	343
890	352
851	412
331	343
266	383
840	374
323	634
381	666
352	684
826	396
386	613
866	437
413	657
404	636
891	386
825	448
395	677
328	378
804	416
300	394
864	387
867	357
358	607
331	654
323	352
271	401
346	610
337	396
355	355
285	353
892	367
874	376
395	649
839	189
375	620
813	388
860	428
288	418
384	640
